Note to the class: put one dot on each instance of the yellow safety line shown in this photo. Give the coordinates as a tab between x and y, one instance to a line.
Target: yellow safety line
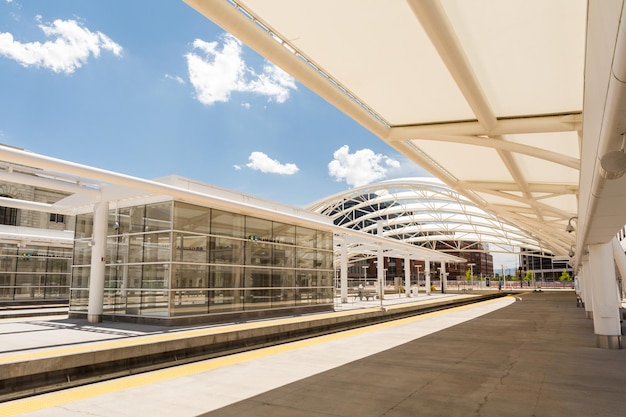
70	395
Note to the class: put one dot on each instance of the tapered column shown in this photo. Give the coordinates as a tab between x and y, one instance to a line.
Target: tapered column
606	322
98	262
587	290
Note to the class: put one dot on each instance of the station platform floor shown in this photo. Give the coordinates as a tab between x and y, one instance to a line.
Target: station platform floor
532	354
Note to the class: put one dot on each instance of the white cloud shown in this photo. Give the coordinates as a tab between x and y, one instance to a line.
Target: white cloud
245	105
216	73
176	78
261	162
237	167
361	167
69	47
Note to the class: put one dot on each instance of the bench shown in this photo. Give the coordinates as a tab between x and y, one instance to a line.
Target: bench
365	294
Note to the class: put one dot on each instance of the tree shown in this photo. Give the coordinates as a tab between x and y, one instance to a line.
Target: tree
565	276
468	275
529	276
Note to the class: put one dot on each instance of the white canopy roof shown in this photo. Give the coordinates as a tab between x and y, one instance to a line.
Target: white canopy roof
487	95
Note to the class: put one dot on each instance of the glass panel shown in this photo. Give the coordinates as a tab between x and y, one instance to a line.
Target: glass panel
324	240
191	248
283	297
82	252
257	299
109	302
158	217
79	300
192	218
284	256
8	249
113	276
7	279
112	249
324	260
305	237
60	252
57	286
133	302
258	229
117	249
131	219
84	226
119	222
258	253
80	277
154	303
224	223
324	296
221	301
257	277
190	276
304	281
283	278
325	278
189	302
29	261
155	276
226	277
156	247
284	233
226	251
134	276
59	264
135	248
305	258
8	262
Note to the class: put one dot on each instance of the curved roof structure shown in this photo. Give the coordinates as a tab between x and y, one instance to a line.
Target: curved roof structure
423	211
487	95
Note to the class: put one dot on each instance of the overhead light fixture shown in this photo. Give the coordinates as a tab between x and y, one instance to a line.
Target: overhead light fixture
571	251
570	228
613	163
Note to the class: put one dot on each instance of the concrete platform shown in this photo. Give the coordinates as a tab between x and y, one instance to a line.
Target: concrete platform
536	357
529	356
41	355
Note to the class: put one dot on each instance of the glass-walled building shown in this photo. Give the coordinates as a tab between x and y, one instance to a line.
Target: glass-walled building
180	263
34	273
35	246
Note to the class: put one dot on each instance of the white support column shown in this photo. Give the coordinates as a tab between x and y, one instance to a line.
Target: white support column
344	272
427	275
98	261
587	290
606	322
407	276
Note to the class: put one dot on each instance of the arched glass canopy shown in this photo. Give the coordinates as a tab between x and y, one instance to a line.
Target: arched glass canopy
424	212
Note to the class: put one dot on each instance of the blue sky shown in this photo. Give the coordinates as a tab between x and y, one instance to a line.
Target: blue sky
150	88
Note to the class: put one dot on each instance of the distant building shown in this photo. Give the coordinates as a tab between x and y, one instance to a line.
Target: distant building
544	267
